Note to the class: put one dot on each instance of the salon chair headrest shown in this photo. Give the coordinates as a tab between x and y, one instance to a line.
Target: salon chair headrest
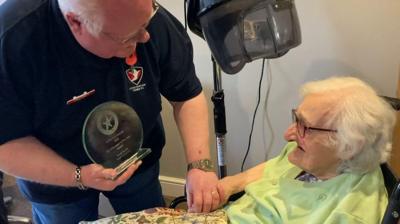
393	101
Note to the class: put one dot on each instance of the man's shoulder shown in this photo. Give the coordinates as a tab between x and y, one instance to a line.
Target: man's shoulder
165	25
13	12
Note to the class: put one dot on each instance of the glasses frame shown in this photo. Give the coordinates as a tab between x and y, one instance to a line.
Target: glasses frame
302	128
155	6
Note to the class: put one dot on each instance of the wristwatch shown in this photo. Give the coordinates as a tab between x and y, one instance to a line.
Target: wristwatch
202	164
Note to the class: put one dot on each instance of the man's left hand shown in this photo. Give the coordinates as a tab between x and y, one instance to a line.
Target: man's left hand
202	191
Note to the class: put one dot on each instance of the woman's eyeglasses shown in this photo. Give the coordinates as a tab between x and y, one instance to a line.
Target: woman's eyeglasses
302	128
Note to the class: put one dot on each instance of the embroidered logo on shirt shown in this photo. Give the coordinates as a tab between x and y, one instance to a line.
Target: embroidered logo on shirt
135	75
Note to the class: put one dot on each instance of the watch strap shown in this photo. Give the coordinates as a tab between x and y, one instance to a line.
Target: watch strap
78	179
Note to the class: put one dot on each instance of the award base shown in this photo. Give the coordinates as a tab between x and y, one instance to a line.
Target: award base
140	154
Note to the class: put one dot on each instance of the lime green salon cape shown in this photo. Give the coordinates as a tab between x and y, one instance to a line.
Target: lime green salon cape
279	198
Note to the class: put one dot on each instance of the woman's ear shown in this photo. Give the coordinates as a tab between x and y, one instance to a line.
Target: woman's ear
74	23
347	153
353	150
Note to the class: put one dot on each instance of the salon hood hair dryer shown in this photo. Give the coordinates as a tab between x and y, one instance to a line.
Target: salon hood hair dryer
241	31
238	32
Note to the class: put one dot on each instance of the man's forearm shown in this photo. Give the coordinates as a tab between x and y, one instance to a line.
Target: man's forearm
192	119
29	159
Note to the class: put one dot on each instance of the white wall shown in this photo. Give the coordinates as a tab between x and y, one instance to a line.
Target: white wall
360	37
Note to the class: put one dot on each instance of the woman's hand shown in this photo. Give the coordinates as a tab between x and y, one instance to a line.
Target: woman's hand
225	189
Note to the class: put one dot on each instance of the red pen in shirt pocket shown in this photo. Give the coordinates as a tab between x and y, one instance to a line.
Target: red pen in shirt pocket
80	97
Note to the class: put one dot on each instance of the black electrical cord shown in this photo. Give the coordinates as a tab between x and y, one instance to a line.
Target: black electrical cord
185	14
254	115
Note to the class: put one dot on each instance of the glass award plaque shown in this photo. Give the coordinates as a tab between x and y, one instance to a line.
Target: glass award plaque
112	136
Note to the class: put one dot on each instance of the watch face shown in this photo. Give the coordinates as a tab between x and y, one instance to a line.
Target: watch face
203	164
206	164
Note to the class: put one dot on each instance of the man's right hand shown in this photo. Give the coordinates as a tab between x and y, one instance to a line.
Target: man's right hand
97	177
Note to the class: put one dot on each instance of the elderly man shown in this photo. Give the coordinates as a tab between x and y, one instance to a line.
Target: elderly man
329	171
60	59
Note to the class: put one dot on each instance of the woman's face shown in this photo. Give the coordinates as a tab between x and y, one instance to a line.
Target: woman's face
313	153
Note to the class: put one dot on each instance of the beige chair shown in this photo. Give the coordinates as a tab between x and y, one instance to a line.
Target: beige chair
4	204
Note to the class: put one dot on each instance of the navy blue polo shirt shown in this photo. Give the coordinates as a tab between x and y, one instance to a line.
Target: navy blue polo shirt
42	66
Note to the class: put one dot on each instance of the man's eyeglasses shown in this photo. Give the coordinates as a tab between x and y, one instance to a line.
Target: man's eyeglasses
155	8
302	128
137	34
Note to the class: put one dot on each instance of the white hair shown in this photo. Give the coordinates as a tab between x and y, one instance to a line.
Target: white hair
87	11
364	121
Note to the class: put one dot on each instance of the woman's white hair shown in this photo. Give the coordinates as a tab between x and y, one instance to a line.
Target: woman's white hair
363	119
87	11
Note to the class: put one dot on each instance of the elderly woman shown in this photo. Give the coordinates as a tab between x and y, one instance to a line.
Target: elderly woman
329	171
